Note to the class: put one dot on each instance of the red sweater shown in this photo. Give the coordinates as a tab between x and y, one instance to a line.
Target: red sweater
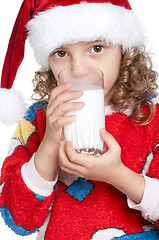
80	209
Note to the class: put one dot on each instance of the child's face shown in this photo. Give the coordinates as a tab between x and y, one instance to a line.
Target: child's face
95	54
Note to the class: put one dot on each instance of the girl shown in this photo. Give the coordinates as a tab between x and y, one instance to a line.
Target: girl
46	186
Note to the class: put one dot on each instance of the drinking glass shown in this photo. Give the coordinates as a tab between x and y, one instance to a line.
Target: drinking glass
84	132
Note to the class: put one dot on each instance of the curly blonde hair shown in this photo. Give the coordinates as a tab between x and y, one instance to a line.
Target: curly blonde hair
136	82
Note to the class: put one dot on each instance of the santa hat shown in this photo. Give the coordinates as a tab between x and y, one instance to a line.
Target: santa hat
52	23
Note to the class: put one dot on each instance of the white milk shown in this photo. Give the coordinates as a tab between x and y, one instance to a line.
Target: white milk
84	132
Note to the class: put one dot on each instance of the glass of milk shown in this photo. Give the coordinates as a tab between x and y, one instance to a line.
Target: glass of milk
84	132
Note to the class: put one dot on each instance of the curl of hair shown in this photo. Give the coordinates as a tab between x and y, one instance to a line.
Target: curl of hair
43	83
136	82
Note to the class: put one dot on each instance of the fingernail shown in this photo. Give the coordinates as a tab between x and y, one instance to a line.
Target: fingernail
80	92
103	131
81	104
69	84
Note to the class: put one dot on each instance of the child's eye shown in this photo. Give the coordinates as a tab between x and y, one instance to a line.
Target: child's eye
97	49
61	54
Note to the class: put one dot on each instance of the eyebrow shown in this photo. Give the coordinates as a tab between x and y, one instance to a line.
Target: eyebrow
96	41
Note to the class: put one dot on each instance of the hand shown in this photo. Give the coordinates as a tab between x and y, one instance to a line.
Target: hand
46	158
59	104
103	168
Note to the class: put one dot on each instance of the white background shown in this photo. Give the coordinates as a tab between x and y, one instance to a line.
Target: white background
147	12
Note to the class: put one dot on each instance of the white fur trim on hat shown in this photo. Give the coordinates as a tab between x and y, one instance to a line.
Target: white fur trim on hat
12	106
83	22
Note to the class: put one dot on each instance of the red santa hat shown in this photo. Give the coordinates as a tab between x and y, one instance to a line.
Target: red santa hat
50	24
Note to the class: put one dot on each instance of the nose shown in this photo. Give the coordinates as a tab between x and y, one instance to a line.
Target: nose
78	59
80	71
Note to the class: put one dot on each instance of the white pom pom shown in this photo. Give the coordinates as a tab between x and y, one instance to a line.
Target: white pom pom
12	106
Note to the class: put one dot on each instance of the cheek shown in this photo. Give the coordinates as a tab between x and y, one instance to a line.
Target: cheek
55	69
55	72
58	65
110	78
108	84
111	70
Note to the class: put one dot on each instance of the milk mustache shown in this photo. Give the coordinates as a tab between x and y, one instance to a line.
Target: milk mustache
84	132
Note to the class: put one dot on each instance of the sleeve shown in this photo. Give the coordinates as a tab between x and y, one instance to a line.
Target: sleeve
34	181
23	209
149	205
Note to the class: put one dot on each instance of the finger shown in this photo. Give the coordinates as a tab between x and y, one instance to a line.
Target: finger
63	95
71	171
58	114
65	162
69	95
64	108
59	90
109	139
77	158
61	122
63	98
